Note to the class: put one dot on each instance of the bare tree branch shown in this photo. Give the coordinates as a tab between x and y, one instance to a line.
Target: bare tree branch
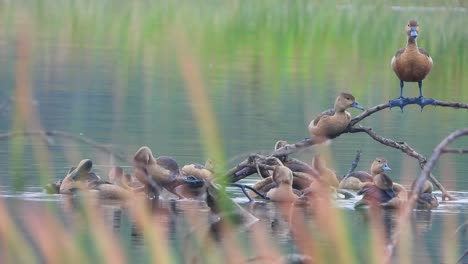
353	128
455	151
417	187
55	133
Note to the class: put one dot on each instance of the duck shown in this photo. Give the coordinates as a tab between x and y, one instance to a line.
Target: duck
356	180
377	193
77	177
303	173
411	64
426	200
330	124
81	178
283	179
161	172
205	172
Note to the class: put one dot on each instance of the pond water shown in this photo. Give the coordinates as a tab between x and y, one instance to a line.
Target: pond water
119	79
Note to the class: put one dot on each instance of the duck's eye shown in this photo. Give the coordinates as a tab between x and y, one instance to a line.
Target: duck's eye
408	25
347	98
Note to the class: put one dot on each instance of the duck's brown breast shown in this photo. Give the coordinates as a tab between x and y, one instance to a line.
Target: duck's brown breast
410	65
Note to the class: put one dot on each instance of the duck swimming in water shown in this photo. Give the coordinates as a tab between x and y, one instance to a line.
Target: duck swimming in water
163	171
377	193
283	192
330	124
411	64
78	177
426	200
356	180
82	179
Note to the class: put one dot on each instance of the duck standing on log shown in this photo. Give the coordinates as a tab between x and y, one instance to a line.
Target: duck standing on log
411	64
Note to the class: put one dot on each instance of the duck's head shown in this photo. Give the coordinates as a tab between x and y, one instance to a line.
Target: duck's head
345	101
412	29
282	175
379	165
81	172
144	156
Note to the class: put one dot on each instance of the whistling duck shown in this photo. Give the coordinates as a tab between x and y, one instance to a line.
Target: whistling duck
330	124
163	171
204	172
411	64
77	177
426	200
356	180
283	178
377	193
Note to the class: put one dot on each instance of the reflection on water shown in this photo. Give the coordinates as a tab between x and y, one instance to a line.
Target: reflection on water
183	219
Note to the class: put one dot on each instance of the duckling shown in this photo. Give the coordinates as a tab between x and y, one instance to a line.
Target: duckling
164	171
326	175
303	173
411	64
426	200
283	178
355	181
330	124
377	193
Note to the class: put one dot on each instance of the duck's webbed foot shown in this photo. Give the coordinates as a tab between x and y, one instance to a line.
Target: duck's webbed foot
400	102
423	101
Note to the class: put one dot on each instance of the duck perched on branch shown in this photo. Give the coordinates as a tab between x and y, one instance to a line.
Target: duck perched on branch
330	124
411	64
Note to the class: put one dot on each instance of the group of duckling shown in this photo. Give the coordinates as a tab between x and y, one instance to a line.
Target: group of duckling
290	179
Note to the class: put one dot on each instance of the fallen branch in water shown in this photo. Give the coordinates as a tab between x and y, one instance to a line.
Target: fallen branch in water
352	128
56	133
417	187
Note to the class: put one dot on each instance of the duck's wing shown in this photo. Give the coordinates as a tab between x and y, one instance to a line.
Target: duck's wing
397	54
423	51
323	116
